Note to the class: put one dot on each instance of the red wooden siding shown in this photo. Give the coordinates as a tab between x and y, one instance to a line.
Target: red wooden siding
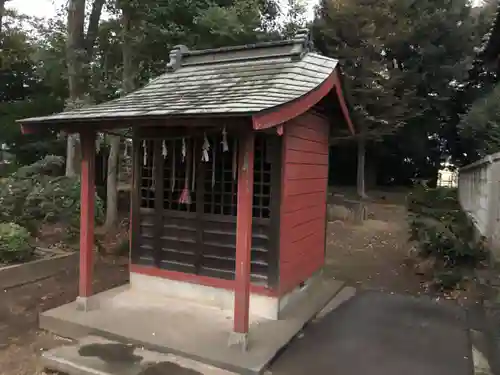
303	205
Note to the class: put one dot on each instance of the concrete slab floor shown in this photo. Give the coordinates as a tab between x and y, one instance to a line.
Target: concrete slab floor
96	355
185	328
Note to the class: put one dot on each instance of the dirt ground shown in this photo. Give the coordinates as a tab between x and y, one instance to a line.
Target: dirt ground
374	255
371	256
20	339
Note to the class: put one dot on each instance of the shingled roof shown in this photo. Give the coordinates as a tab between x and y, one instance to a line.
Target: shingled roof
226	81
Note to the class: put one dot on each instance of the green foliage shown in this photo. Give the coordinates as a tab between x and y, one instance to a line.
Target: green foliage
25	91
295	18
444	233
48	166
14	243
236	24
405	64
481	125
38	194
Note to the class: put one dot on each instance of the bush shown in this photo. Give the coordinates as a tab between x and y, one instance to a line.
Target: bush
50	165
58	200
14	243
444	232
35	195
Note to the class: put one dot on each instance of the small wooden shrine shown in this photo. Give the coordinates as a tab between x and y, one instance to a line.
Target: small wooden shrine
230	173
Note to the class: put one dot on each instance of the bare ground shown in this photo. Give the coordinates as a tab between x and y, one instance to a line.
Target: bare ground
20	339
372	256
375	255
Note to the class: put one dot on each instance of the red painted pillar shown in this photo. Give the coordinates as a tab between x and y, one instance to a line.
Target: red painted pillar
244	232
87	194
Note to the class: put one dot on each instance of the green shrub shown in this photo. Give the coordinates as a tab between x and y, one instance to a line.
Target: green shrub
444	232
35	195
14	243
58	200
50	165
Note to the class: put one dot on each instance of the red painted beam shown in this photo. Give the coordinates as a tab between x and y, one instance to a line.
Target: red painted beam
244	233
27	129
295	108
87	141
343	104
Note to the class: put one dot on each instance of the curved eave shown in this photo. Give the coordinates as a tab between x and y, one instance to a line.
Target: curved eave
114	123
285	112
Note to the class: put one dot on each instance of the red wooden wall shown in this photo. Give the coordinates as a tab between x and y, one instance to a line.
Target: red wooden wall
303	199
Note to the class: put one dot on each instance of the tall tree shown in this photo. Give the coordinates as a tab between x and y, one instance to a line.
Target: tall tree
25	91
80	46
475	127
360	33
129	27
403	63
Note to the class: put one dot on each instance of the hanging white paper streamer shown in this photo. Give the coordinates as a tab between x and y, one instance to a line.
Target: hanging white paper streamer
144	154
164	150
205	148
98	142
125	149
183	150
225	147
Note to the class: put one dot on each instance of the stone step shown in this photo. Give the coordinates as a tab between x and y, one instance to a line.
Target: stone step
93	355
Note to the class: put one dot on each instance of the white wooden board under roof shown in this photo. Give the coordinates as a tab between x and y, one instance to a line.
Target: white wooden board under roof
226	81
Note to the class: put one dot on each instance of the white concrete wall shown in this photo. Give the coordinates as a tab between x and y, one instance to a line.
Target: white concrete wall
479	195
260	306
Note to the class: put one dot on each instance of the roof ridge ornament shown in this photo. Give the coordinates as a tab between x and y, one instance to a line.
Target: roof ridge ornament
176	57
304	35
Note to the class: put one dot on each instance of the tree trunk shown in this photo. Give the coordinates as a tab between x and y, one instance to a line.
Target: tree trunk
79	52
361	168
75	51
71	155
112	183
128	84
2	11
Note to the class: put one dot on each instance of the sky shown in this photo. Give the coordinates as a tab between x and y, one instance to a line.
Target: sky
47	8
38	8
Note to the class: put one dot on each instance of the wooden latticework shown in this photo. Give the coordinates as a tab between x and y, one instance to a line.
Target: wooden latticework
147	178
200	237
220	180
262	180
175	168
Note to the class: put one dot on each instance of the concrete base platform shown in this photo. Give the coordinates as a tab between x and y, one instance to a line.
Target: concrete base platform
185	328
96	355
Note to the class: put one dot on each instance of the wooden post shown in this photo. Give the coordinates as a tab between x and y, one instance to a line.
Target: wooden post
244	237
135	202
87	196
